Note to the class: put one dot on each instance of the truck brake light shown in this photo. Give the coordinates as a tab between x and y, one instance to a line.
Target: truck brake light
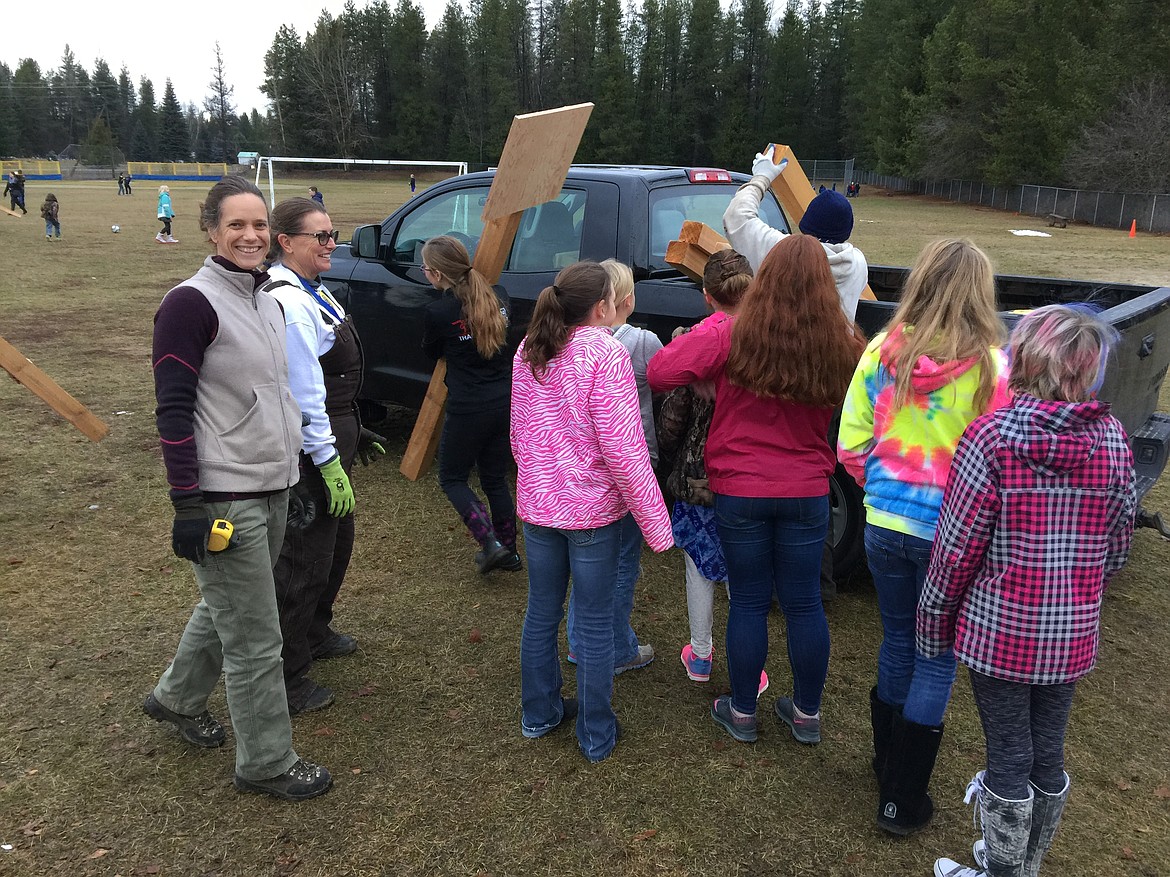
708	175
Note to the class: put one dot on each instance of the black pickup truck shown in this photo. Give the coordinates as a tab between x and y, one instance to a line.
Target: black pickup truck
631	214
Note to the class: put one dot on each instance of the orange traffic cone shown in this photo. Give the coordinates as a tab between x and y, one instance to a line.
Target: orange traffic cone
1133	228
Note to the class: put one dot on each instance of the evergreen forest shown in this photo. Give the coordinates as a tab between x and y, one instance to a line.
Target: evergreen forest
1060	92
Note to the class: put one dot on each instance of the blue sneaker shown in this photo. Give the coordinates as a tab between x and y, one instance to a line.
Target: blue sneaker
698	669
742	729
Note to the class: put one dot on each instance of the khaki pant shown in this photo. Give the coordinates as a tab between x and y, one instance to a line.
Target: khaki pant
235	629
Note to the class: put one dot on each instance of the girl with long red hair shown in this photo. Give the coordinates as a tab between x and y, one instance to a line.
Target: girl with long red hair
780	366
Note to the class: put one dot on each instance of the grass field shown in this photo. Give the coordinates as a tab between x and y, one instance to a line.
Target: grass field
433	776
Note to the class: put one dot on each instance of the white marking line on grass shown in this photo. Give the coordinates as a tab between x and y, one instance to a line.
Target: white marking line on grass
1028	233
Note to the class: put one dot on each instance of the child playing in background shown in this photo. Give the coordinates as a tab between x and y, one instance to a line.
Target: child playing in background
1036	519
629	654
165	214
49	212
316	196
683	423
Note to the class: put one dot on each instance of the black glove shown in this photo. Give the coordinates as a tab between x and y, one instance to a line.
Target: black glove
370	446
191	529
302	508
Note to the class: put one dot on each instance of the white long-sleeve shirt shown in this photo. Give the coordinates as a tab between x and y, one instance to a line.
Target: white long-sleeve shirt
753	239
307	338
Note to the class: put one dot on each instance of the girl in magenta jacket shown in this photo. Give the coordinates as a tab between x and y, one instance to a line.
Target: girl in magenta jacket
582	468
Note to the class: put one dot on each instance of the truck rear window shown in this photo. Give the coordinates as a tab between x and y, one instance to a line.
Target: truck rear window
673	205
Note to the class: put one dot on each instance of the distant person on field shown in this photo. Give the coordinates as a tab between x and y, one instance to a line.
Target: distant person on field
935	368
325	374
1037	518
684	422
412	184
317	196
230	431
165	215
127	182
14	189
629	653
121	184
467	325
50	212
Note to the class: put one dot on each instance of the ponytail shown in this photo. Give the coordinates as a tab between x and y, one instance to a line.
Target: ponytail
481	307
561	308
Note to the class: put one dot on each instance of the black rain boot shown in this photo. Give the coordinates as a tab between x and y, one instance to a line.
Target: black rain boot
881	718
904	806
479	525
506	532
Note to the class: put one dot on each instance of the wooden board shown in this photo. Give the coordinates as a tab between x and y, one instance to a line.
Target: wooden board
536	159
696	243
18	365
533	167
11	212
795	192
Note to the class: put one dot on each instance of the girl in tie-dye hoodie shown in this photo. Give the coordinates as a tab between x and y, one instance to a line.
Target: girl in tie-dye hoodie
919	383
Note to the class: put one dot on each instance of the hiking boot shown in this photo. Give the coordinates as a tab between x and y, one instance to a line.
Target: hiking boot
201	730
300	782
338	645
308	698
806	729
698	669
644	656
742	729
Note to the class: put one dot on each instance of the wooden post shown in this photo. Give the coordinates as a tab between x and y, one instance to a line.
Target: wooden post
696	243
18	365
532	169
795	192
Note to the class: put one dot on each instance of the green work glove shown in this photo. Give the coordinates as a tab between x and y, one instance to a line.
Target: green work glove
370	446
191	529
337	484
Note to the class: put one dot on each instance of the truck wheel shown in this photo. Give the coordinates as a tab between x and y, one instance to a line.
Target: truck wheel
846	523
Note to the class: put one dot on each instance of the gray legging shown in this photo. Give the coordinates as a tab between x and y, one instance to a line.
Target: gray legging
1024	726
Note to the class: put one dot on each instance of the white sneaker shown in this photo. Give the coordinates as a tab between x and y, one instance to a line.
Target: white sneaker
951	868
171	240
979	851
158	237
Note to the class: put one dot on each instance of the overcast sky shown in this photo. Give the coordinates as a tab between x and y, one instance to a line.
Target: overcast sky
169	40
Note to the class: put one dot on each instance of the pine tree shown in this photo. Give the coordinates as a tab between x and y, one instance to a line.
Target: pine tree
174	139
144	145
222	112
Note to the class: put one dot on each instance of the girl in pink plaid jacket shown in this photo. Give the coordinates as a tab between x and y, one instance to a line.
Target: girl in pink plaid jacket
1037	517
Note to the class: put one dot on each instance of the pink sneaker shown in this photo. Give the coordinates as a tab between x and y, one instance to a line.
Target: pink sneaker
763	683
698	669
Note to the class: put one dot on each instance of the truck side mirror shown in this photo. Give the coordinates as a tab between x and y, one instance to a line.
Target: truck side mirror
366	241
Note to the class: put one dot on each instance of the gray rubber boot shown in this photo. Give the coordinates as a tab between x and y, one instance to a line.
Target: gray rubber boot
1007	827
1046	812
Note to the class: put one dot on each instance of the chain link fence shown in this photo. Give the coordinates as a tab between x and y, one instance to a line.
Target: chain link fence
830	174
1149	211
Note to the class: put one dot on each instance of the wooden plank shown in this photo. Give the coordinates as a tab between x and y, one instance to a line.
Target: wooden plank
18	365
696	244
11	212
536	159
795	192
532	169
703	236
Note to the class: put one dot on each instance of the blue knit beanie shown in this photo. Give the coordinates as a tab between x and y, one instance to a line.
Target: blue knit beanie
829	218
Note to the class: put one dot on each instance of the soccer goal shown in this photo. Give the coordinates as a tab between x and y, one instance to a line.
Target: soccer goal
270	161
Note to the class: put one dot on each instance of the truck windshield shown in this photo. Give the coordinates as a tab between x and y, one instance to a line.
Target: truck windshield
671	206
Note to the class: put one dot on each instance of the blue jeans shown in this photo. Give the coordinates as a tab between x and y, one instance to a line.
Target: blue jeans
51	227
920	685
591	558
774	546
629	568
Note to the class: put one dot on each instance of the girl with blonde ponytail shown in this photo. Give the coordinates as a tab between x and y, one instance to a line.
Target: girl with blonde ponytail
468	327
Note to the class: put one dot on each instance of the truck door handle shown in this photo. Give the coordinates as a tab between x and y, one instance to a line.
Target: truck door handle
1147	347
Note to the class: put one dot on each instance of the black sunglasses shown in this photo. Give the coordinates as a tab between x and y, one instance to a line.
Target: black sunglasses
323	237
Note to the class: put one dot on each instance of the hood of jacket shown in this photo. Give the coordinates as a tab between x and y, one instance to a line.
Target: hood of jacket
1054	437
927	375
850	273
